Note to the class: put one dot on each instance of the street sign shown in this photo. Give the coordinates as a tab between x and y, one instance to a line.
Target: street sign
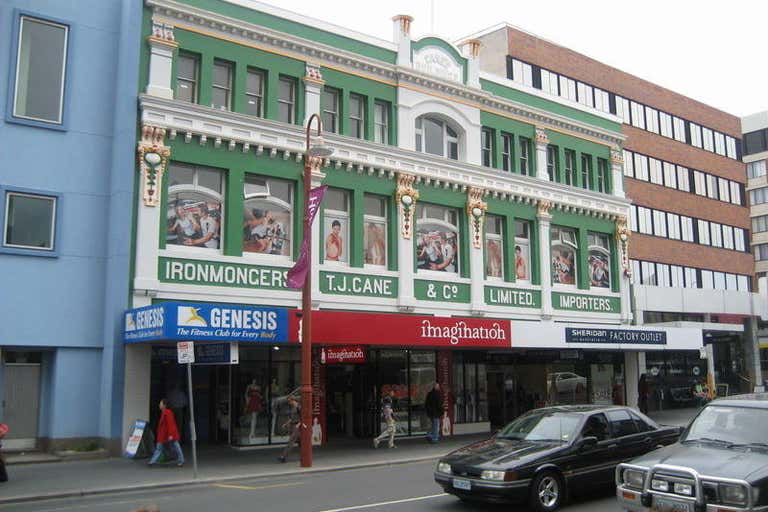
186	352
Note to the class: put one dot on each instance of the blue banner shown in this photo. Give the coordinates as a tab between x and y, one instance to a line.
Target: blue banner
591	335
182	321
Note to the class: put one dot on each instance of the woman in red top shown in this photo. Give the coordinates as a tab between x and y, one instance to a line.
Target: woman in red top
167	433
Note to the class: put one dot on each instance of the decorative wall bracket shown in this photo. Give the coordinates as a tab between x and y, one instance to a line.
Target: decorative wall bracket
542	209
616	157
622	240
406	197
541	136
313	73
476	208
162	33
153	160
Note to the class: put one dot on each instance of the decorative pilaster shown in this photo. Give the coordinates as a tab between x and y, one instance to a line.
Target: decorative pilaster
544	219
617	171
476	209
402	38
153	159
542	140
622	243
405	198
313	88
162	45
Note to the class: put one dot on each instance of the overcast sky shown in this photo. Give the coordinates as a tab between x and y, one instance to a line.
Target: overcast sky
703	48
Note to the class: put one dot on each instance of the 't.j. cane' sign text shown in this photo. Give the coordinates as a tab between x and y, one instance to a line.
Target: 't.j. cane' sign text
343	355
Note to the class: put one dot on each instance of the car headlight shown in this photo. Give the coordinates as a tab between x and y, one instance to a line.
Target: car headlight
633	478
444	467
684	489
660	485
493	475
733	494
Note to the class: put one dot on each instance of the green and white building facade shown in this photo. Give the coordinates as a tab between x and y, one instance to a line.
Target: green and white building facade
472	233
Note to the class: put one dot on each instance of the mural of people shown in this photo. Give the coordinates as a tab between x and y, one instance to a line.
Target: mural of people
494	258
599	274
437	250
193	223
521	263
563	271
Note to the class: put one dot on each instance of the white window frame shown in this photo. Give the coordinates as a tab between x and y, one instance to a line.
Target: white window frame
499	239
448	140
6	216
256	96
64	57
331	112
227	88
686	228
381	122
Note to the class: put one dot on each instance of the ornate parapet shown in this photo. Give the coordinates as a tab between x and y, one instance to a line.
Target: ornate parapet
153	158
406	197
476	208
622	240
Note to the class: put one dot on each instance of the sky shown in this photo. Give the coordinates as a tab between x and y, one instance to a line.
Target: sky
711	51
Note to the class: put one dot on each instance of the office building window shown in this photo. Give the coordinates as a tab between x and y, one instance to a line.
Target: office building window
221	86
30	221
665	124
761	252
187	77
331	100
552	157
41	68
703	231
760	224
652	120
641	167
638	115
695	134
686	224
655	172
758	196
522	73
673	225
756	169
670	175
254	92
381	122
679	127
525	156
286	101
356	116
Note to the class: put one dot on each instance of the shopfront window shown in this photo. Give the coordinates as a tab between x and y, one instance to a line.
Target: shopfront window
393	376
267	215
375	237
564	251
470	390
336	225
437	245
672	376
422	379
494	247
195	204
522	250
599	260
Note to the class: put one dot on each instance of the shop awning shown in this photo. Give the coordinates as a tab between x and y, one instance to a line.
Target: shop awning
190	321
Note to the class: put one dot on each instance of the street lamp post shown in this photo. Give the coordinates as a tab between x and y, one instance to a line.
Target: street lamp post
311	156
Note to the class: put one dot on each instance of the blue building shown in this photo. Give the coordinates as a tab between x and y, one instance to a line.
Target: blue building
68	83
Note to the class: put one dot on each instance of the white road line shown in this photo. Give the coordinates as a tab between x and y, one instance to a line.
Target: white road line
394	502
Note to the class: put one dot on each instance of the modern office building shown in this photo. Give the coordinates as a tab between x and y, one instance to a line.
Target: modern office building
474	231
69	75
690	255
755	154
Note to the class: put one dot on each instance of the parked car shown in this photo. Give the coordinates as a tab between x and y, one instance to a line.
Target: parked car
567	382
546	453
719	464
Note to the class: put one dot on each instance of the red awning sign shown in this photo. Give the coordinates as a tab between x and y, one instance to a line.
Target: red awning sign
342	355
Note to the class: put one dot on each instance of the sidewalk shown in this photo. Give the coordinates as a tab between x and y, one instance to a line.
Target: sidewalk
30	482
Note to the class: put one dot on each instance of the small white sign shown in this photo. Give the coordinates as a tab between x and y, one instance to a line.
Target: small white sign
186	352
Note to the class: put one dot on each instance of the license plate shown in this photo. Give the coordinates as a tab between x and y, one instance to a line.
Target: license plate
667	505
464	485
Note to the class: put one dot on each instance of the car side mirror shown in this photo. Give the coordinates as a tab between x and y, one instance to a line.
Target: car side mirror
587	442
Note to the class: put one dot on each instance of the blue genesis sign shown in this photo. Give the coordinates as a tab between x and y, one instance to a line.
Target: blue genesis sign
182	321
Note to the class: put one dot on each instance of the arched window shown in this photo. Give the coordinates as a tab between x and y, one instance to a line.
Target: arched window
195	204
436	137
564	255
599	260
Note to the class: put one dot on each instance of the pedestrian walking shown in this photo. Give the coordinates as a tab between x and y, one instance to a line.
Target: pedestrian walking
642	390
293	425
434	406
388	414
3	474
167	434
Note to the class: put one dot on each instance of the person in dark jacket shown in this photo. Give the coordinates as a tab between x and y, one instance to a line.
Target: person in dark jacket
434	407
643	392
167	433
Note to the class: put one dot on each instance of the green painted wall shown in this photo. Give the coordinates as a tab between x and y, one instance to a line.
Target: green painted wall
581	147
292	27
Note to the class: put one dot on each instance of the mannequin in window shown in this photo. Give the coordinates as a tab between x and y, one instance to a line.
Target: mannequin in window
521	270
254	405
334	245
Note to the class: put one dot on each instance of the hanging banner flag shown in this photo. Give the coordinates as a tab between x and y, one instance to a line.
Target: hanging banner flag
298	274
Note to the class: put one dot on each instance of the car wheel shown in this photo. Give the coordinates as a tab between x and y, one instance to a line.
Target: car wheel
547	492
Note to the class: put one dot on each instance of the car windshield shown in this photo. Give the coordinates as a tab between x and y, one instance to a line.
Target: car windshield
729	425
542	426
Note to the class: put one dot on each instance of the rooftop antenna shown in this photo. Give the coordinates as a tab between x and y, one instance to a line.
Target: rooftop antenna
432	17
